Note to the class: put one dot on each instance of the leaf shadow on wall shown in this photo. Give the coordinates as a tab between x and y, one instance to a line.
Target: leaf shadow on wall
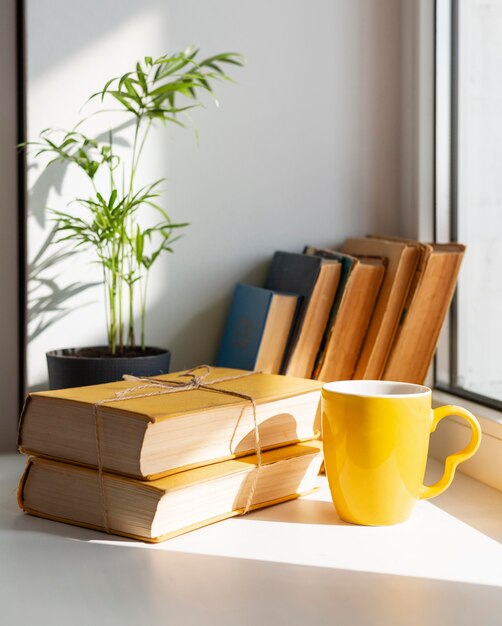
47	299
48	291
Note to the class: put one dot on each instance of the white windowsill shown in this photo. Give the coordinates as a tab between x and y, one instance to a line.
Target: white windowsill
295	563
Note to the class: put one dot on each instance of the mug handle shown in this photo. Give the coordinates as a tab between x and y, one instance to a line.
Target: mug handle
453	460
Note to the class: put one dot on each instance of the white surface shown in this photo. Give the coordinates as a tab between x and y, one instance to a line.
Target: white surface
294	563
304	149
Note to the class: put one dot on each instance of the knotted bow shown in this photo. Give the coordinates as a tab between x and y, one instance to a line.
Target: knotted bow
160	387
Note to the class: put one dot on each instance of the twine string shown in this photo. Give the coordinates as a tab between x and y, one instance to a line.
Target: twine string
162	387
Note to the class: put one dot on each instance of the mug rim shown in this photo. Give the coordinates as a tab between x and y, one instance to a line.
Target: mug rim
356	388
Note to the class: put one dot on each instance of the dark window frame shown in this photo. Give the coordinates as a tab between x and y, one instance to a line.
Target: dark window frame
22	194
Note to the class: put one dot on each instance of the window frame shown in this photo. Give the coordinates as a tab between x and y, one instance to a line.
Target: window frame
12	256
486	465
446	178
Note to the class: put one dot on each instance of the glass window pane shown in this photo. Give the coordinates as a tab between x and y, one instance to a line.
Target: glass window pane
479	200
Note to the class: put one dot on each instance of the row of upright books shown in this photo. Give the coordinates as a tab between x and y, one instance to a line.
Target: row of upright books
153	459
372	310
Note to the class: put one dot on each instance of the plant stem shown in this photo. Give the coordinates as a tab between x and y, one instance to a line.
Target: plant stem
113	310
113	324
110	162
131	317
107	316
133	159
147	130
121	289
143	310
131	260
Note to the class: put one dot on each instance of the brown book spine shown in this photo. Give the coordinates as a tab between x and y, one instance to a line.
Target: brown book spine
384	323
417	338
351	323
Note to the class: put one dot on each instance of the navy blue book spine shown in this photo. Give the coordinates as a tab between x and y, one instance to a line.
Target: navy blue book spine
244	327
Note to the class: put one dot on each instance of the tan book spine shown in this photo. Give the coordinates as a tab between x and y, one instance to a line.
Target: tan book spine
275	335
417	338
384	323
351	323
302	360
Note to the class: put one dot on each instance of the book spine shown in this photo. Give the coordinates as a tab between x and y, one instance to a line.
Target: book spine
244	328
21	422
386	318
352	322
348	265
416	343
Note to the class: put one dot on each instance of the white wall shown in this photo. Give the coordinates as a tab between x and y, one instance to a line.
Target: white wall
9	364
305	148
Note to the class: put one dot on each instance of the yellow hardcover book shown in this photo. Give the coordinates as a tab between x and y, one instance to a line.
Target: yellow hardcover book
147	436
164	508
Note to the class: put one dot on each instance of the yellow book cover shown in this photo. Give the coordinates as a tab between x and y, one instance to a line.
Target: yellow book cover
164	508
152	428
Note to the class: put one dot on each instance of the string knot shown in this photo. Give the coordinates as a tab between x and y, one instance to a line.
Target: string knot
162	387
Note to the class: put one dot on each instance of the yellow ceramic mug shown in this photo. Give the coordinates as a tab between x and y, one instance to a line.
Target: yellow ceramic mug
376	440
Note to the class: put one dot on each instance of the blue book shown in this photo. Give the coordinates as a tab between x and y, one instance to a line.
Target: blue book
257	329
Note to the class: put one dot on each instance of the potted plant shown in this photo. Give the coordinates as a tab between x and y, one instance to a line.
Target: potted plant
111	218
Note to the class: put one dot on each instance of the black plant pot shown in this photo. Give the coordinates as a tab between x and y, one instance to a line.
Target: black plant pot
69	368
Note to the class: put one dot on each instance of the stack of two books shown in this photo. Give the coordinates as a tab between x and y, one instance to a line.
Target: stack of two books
171	462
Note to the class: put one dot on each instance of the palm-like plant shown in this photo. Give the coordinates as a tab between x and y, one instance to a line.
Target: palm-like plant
109	218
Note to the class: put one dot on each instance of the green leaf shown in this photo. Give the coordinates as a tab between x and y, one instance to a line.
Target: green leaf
113	197
141	77
122	98
131	91
103	92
